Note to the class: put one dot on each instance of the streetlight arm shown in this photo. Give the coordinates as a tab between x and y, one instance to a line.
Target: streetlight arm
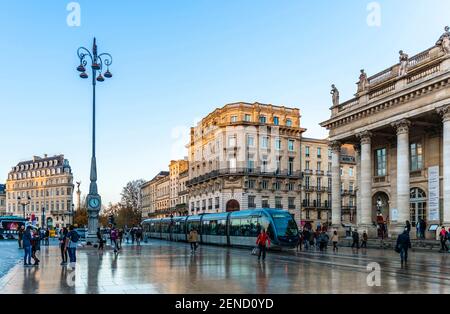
82	53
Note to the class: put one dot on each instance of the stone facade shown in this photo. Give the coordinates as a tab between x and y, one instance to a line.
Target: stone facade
245	156
399	124
151	195
316	157
177	186
2	200
43	184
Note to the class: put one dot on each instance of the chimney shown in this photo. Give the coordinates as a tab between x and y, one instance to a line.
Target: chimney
45	155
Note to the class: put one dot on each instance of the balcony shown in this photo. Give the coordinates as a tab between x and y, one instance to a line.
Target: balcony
319	173
310	188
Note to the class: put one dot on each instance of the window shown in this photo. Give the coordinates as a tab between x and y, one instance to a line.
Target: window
248	118
262	119
250	141
276	120
289	122
291	166
350	171
291	186
291	145
319	166
416	157
380	162
307	182
307	151
251	184
250	165
278	144
232	163
307	165
350	187
265	142
342	171
319	184
278	204
329	153
232	141
216	202
251	201
264	184
291	202
233	119
277	185
278	165
319	152
265	202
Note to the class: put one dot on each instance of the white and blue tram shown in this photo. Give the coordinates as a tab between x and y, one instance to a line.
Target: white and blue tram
239	228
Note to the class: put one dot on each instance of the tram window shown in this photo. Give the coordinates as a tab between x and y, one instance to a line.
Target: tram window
255	227
194	224
221	227
235	227
246	227
182	227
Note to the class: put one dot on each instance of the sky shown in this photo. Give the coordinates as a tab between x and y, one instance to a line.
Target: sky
175	61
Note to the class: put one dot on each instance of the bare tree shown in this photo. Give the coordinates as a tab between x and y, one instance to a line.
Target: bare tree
131	194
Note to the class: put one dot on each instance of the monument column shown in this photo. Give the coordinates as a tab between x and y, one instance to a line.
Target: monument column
445	113
336	203
365	190
403	189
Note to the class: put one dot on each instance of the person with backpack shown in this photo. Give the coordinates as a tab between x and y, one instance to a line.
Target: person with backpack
335	240
443	237
62	245
263	242
402	247
71	245
193	240
355	237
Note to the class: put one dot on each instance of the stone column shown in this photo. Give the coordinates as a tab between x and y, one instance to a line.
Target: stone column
336	203
358	183
365	187
403	189
445	113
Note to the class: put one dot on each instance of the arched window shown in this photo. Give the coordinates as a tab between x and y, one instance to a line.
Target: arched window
418	205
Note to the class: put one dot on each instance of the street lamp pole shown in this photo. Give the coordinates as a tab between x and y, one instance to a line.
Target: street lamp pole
43	217
97	63
24	204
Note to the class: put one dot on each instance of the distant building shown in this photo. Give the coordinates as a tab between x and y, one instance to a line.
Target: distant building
245	156
2	200
156	196
178	203
45	185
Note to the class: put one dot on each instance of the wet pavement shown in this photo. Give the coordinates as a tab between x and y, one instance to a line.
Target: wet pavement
164	267
9	255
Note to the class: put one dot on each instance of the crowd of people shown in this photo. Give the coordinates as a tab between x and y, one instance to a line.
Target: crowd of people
117	236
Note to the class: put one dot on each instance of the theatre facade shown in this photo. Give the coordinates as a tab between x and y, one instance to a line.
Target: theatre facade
399	124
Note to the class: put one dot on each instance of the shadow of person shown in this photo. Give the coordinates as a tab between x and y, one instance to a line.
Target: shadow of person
30	284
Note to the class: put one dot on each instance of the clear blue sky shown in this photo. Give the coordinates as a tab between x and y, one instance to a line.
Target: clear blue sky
177	60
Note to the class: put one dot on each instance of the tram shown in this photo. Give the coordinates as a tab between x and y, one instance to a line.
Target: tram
239	228
10	225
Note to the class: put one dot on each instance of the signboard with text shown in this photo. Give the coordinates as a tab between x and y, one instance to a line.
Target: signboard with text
433	193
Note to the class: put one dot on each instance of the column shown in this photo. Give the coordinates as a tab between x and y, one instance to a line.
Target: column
357	149
445	113
403	189
336	203
365	177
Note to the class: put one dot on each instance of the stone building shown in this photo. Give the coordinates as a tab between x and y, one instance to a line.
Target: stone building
151	192
181	208
177	201
316	187
245	156
399	123
2	200
45	186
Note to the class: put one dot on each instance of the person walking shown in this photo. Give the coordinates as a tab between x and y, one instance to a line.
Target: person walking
20	236
133	233
408	226
127	235
193	240
35	246
114	239
263	242
300	240
120	238
47	237
323	240
62	245
355	237
402	247
306	237
443	236
26	244
364	240
71	245
423	228
100	239
138	236
335	240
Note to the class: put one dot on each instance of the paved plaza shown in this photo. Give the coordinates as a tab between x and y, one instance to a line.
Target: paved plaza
169	268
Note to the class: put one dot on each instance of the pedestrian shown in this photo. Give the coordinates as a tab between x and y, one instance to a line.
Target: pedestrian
408	226
71	245
418	230
443	236
311	239
127	235
47	237
402	247
306	237
20	236
138	236
323	240
100	239
355	237
335	240
120	238
364	240
133	233
62	245
26	244
300	240
114	239
35	246
193	240
263	242
423	228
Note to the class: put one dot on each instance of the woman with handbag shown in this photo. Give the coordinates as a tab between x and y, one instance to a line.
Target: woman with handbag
261	241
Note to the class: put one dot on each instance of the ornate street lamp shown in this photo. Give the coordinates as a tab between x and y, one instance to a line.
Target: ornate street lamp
24	204
97	62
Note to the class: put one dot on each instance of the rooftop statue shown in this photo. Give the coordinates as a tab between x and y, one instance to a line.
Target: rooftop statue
363	82
403	63
335	93
444	40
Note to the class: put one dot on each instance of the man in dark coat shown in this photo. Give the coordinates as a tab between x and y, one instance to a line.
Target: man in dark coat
403	245
355	237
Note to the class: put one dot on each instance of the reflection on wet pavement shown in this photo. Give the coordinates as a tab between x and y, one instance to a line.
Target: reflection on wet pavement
163	267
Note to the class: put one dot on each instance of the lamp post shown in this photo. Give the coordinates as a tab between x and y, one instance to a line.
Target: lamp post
24	204
43	216
72	214
97	61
